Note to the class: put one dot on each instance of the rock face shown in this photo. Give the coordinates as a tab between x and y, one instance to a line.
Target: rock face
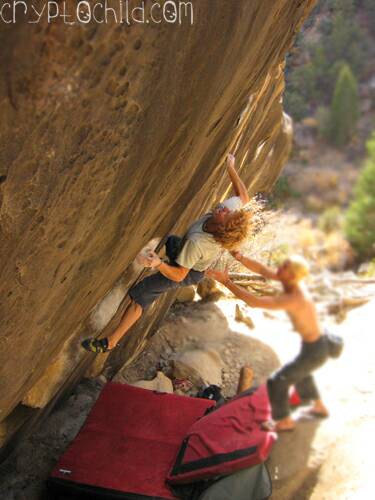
111	135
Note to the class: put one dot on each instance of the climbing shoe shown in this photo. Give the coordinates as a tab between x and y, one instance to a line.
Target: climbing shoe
95	345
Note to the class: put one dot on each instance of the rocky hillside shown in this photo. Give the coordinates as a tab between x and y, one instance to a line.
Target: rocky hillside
112	135
338	33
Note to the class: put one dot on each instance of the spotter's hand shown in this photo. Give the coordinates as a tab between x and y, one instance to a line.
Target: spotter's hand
220	276
236	254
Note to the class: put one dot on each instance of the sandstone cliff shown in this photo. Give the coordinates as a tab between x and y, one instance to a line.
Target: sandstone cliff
111	135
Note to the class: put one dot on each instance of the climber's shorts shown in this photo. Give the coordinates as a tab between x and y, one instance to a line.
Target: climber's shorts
150	288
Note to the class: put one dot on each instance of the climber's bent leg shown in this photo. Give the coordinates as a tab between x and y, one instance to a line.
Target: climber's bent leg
143	294
131	315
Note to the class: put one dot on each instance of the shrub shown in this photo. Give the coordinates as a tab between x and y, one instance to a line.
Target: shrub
282	191
360	216
344	108
330	220
367	269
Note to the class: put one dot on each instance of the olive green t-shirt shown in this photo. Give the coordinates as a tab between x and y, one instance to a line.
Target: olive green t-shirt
200	249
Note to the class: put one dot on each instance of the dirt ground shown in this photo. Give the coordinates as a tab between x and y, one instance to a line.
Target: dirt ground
321	460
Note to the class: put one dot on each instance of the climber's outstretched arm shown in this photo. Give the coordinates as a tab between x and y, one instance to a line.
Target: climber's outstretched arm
255	266
238	186
284	301
281	302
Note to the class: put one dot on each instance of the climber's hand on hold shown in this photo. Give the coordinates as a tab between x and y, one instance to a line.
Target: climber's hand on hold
238	185
153	260
230	161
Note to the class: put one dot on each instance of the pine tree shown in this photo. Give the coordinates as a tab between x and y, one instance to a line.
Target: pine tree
344	107
360	216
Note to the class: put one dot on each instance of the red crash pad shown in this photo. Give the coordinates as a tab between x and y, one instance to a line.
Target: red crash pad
226	440
127	444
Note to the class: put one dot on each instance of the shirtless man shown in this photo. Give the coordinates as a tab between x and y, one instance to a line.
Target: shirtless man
297	303
223	228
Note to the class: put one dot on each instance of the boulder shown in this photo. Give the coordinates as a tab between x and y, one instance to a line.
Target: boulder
185	294
183	371
207	363
110	136
207	289
160	383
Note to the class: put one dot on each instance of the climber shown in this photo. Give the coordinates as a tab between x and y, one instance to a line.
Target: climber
315	350
223	228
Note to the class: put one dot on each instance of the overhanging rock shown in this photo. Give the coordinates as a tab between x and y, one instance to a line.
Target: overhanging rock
111	135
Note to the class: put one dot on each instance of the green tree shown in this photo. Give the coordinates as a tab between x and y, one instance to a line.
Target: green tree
341	36
360	216
344	107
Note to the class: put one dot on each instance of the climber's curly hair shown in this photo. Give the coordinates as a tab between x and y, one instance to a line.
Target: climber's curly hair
235	231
